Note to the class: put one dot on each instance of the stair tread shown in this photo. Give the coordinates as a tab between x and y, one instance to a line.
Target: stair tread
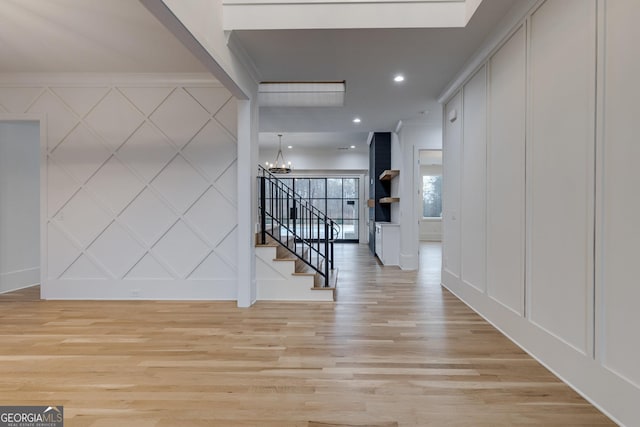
333	280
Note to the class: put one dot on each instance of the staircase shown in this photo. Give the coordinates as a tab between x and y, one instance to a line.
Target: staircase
294	247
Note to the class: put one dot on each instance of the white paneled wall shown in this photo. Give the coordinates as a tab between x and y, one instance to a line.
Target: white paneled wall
505	174
473	187
451	177
561	168
620	204
141	185
560	109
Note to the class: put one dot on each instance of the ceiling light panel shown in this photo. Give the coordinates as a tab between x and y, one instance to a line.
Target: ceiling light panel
293	94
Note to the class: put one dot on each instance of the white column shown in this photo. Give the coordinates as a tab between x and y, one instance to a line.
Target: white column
409	226
247	165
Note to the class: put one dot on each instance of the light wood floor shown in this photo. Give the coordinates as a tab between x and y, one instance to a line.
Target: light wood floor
395	350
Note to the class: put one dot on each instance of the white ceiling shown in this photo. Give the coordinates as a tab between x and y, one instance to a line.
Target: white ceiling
87	36
122	36
314	140
367	60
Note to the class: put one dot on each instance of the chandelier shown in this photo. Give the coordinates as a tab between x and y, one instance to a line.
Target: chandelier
279	165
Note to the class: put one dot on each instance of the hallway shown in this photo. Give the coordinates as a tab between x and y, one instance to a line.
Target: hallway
396	349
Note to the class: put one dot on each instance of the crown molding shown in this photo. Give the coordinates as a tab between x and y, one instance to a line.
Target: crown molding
109	79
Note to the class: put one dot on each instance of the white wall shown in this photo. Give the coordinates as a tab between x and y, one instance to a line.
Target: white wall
416	134
557	107
618	293
310	159
506	173
141	184
451	177
473	185
19	204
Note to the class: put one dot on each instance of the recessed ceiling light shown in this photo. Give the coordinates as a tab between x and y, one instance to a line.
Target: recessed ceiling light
289	146
398	78
357	120
353	146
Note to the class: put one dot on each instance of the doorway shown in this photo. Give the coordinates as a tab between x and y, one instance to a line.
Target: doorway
20	204
430	199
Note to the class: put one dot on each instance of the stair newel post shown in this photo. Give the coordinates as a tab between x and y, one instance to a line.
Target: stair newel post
295	217
333	238
326	253
318	236
288	217
263	213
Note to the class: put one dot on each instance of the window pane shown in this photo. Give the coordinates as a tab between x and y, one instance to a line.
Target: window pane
287	181
350	229
350	188
432	196
350	209
334	188
318	188
302	187
320	204
335	209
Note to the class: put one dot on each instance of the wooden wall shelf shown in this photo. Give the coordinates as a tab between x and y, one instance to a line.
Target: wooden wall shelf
389	200
389	174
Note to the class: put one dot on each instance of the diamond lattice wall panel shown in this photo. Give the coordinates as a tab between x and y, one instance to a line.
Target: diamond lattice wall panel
212	150
147	151
146	99
209	213
211	98
83	268
227	184
180	128
116	250
114	119
148	227
228	248
60	120
181	249
81	153
115	185
18	99
180	184
60	187
228	117
61	252
80	99
150	269
213	267
83	218
129	212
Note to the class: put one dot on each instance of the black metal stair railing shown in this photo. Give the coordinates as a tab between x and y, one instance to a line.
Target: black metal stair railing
295	223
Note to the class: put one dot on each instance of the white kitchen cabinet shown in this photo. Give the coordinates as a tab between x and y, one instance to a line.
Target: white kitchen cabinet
388	243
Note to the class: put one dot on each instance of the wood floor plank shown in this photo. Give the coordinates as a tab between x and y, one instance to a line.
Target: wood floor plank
396	349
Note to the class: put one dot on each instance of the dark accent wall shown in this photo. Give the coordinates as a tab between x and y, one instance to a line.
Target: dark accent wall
379	161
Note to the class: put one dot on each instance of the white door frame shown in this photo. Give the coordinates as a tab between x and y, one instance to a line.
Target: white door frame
42	122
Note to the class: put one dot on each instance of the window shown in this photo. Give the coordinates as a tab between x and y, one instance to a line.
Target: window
432	196
337	197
